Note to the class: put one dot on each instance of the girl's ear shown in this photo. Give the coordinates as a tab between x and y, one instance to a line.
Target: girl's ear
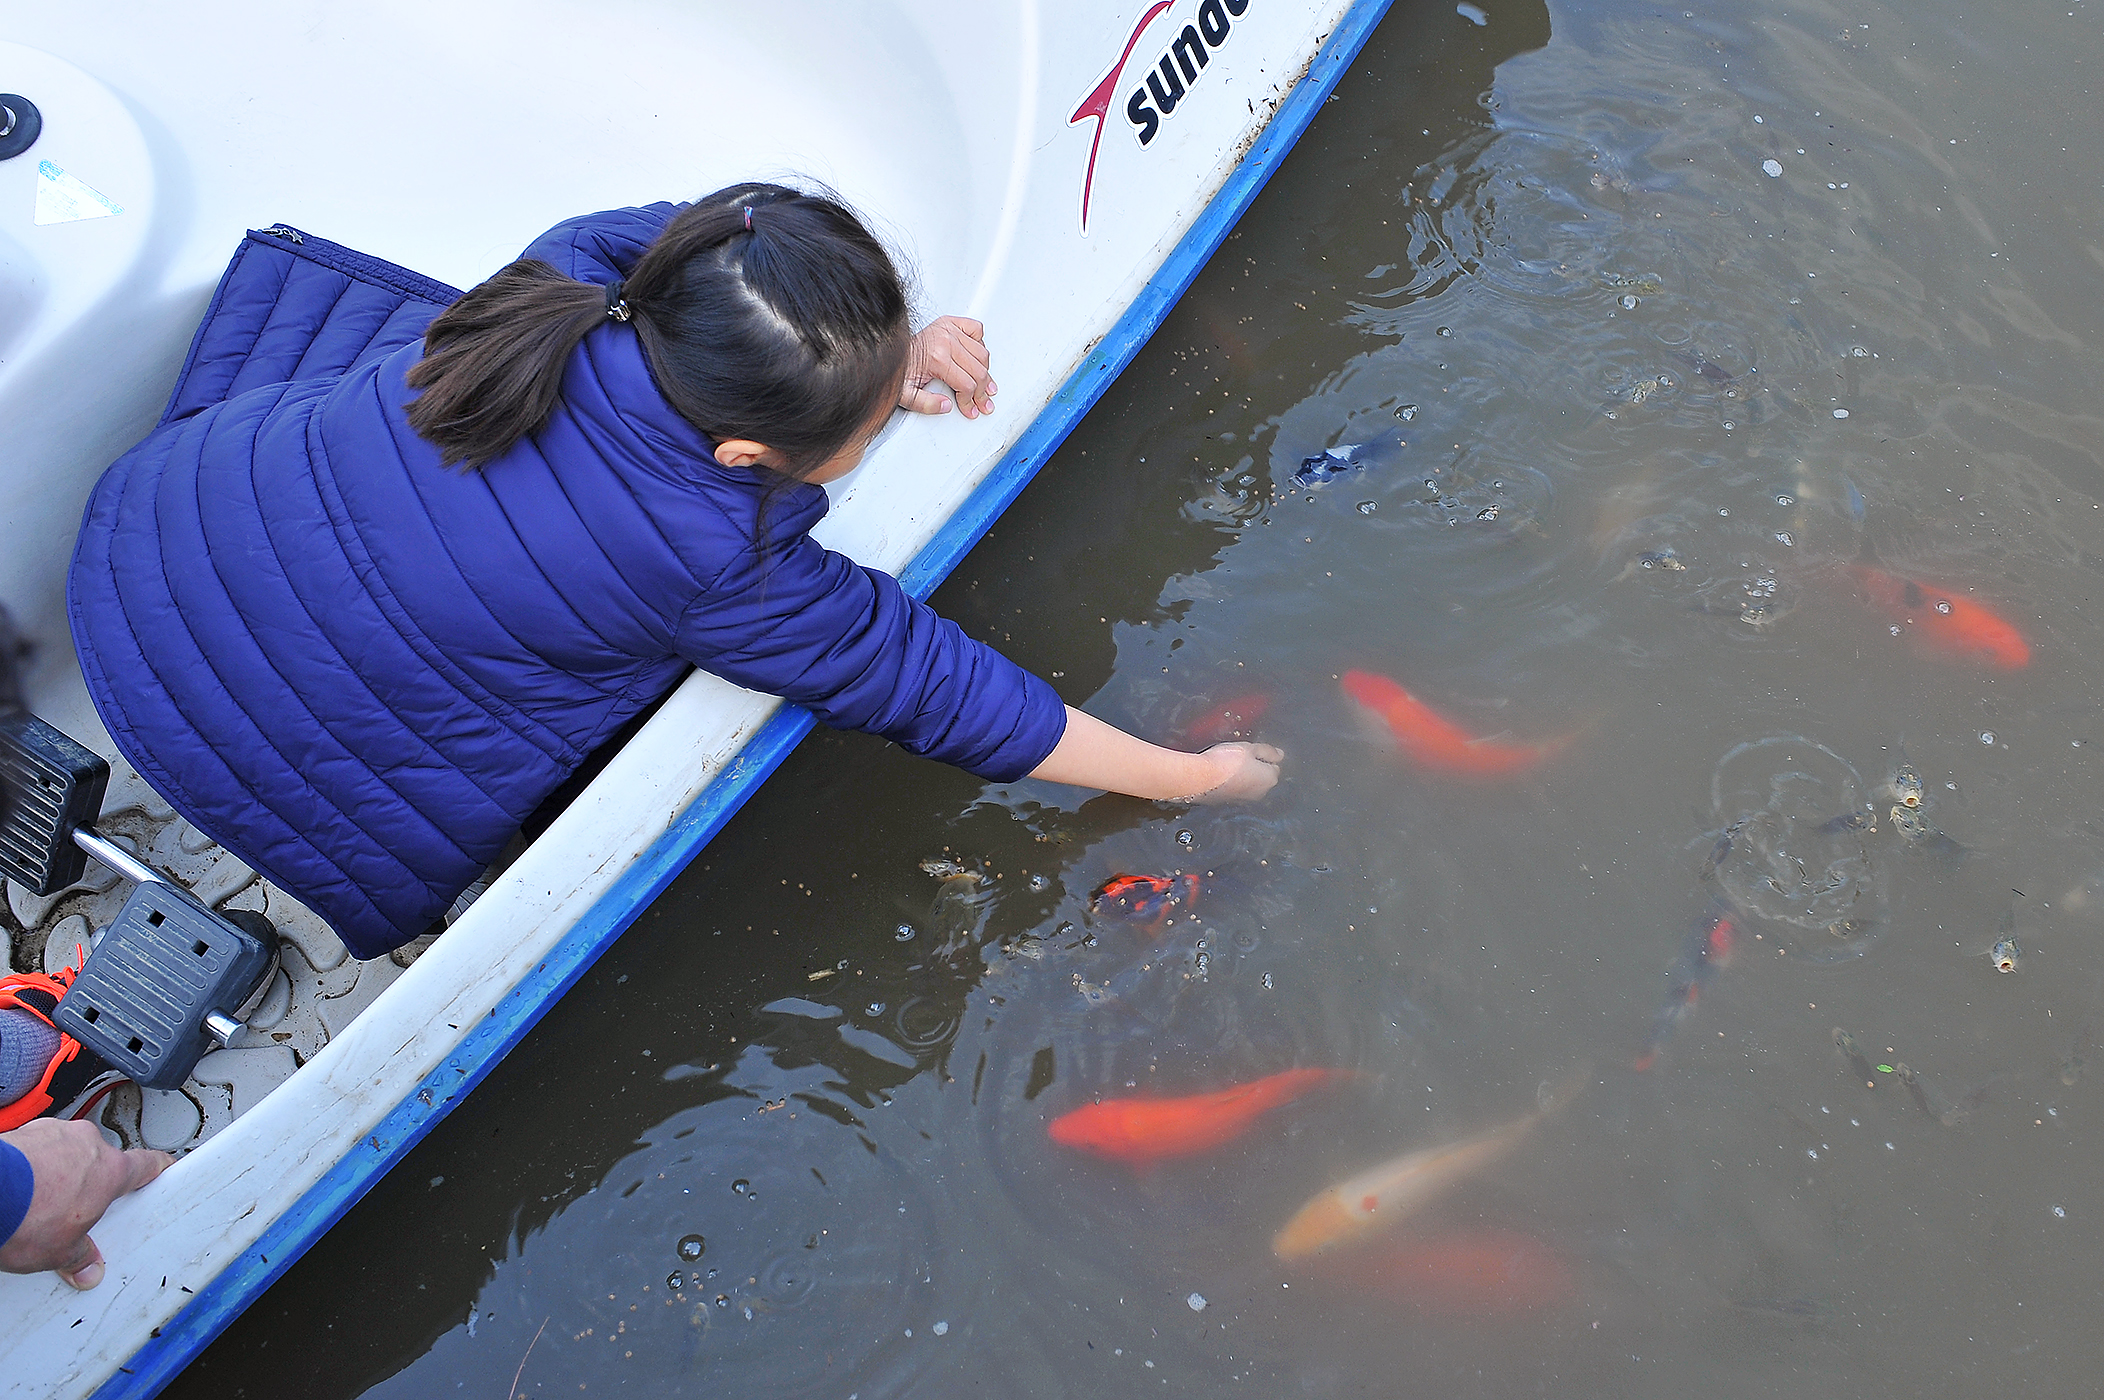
743	452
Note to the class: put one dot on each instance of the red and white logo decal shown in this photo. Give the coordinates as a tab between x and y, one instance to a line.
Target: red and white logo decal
1169	79
1097	104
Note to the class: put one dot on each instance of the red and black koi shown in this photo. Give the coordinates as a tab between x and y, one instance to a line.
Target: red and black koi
1147	900
1943	622
1710	947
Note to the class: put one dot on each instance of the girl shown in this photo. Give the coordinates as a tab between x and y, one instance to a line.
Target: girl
395	563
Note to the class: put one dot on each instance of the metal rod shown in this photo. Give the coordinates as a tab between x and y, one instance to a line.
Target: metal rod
116	857
222	1028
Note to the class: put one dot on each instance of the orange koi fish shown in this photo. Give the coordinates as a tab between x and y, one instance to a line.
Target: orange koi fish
1147	900
1235	719
1384	1196
1141	1132
1463	1274
1433	741
1943	622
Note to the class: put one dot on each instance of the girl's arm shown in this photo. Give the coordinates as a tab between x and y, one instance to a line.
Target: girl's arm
1094	754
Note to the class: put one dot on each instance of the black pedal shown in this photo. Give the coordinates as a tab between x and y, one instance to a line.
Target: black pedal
48	786
165	967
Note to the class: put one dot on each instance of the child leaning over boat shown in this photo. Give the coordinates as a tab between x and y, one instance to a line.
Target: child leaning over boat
385	577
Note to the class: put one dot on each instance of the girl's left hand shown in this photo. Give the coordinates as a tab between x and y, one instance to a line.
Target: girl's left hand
953	350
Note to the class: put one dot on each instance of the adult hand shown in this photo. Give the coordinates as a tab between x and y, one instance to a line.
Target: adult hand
953	350
78	1174
1245	772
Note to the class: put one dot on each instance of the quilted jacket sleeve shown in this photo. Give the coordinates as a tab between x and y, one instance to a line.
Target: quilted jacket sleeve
814	627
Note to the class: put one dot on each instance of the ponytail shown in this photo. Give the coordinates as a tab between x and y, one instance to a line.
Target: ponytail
765	313
493	361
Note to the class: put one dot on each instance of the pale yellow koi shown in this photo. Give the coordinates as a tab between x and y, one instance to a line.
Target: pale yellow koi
1381	1197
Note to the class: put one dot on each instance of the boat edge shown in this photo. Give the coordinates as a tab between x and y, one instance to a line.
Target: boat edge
174	1345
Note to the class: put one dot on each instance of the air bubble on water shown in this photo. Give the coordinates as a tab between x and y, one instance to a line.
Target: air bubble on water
1893	629
675	1280
1729	426
2060	1212
1783	537
1840	413
1786	500
1987	737
1039	884
1943	606
875	1008
1629	302
741	1186
1487	513
1408	412
1186	840
1448	332
1721	510
1771	168
691	1247
1196	1302
1267	982
903	933
1365	507
941	1329
1857	352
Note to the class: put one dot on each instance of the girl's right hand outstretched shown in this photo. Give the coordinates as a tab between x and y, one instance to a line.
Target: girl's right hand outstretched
1247	772
953	350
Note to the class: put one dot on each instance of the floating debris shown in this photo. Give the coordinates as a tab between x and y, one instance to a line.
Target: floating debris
1333	462
1771	168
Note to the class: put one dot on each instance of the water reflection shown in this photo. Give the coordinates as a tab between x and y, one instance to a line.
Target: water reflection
1624	430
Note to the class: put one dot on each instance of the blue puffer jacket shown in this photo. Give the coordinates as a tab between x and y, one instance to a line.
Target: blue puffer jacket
360	671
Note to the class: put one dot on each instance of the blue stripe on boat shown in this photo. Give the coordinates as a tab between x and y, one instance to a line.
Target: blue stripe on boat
290	1235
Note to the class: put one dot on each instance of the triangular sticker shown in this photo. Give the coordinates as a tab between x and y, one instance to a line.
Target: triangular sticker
61	199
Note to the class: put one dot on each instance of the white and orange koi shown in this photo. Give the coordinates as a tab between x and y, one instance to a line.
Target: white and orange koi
1384	1196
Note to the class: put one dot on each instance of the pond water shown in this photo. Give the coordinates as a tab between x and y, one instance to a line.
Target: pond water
1721	404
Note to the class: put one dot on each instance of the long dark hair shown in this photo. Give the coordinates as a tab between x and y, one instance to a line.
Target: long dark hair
765	313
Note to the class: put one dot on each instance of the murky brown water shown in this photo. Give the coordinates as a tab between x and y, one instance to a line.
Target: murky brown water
1613	345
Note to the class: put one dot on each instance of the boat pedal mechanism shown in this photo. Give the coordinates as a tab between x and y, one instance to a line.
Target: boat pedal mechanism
169	977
